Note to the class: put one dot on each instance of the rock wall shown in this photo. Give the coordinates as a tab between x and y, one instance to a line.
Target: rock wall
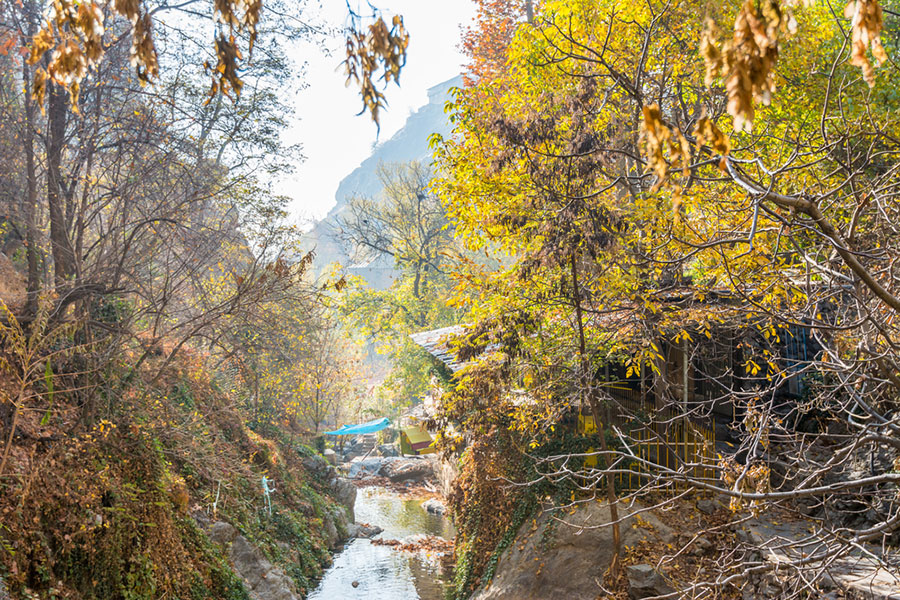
563	555
263	580
446	472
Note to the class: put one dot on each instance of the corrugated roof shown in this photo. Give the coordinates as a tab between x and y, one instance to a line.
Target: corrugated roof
435	343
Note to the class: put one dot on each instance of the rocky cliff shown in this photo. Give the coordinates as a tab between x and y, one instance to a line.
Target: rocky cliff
408	144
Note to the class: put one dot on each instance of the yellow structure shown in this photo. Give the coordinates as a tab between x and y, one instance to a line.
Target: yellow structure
416	441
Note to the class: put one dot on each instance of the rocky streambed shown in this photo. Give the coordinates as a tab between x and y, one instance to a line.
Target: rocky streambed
371	569
400	541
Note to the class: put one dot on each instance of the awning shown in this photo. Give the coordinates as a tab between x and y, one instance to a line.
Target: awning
368	427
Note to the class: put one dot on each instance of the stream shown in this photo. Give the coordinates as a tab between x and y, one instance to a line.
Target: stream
383	572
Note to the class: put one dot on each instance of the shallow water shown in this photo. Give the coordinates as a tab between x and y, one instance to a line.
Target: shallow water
385	573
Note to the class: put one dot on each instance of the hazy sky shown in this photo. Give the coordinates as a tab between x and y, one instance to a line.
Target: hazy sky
334	139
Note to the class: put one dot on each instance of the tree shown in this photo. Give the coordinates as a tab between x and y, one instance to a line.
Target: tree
596	166
408	224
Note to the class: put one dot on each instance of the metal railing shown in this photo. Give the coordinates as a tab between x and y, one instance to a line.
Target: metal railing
655	441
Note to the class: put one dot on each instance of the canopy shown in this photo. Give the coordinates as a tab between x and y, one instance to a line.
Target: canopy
368	427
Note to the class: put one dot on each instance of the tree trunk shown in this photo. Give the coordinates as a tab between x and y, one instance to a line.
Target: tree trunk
63	254
587	390
31	235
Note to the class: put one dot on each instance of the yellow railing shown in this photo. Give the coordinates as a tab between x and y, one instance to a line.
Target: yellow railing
660	441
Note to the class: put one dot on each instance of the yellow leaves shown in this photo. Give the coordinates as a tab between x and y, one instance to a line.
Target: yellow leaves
40	43
708	134
143	51
683	335
655	134
751	367
658	139
709	50
364	51
127	8
866	24
224	74
747	60
74	33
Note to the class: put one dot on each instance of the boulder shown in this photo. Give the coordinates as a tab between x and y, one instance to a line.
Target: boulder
344	493
368	466
331	456
407	469
645	582
222	533
708	507
701	546
434	506
562	555
388	450
336	526
263	580
364	530
316	465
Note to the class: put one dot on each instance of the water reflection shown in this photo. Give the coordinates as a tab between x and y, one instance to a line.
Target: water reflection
382	572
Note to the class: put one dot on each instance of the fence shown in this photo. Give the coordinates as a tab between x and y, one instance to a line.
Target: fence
660	440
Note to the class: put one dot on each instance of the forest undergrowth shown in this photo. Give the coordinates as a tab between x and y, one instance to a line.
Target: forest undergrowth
105	509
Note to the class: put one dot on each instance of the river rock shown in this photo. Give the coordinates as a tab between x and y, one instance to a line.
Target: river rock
344	493
388	450
434	506
363	530
553	559
708	507
335	526
407	469
701	546
316	465
645	582
369	466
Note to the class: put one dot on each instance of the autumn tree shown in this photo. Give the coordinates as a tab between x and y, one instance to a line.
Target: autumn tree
600	166
408	224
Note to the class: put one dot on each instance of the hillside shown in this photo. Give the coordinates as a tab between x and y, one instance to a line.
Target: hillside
137	504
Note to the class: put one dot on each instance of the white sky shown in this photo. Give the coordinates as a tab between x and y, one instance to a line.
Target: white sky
334	139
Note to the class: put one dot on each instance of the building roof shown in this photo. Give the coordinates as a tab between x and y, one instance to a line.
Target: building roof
435	343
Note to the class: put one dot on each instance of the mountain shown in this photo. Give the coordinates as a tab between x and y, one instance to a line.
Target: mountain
408	144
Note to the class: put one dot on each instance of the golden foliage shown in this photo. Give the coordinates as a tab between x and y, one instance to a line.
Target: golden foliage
866	23
365	49
746	62
74	35
708	134
657	138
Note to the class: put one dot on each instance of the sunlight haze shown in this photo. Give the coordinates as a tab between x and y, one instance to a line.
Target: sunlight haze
334	140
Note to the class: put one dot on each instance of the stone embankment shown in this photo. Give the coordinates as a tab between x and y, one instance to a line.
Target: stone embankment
265	581
562	553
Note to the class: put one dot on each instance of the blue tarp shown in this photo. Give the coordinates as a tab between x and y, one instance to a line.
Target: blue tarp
369	427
